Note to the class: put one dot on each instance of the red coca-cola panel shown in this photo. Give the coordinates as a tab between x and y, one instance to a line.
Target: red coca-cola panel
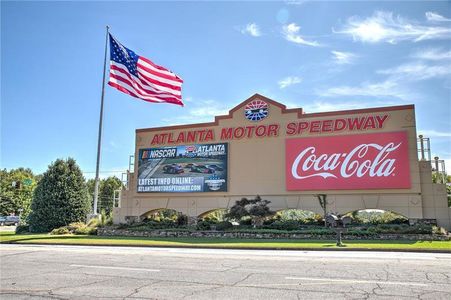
351	162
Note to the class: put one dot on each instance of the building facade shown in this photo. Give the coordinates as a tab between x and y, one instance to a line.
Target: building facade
360	159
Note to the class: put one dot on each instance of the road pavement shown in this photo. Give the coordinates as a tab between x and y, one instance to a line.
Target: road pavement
83	272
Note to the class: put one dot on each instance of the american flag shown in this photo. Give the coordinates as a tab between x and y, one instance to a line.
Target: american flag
141	78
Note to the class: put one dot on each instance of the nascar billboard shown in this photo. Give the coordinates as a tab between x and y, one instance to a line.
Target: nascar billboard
183	169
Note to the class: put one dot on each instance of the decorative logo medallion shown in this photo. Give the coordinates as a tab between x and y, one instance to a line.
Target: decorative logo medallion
256	110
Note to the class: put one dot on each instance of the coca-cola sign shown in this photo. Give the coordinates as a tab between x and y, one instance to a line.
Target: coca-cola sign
364	161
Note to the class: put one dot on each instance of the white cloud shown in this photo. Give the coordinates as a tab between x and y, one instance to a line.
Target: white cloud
432	54
448	165
252	29
435	134
385	27
199	111
323	106
295	2
343	58
290	80
207	112
388	88
418	71
117	171
112	147
291	34
443	155
113	144
435	17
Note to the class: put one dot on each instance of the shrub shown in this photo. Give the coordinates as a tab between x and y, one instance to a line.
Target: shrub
359	232
295	215
203	225
61	230
216	216
284	225
60	197
168	223
150	224
182	220
311	221
269	221
123	226
22	229
163	215
85	230
105	219
402	229
94	222
320	231
156	223
246	221
302	217
75	228
221	226
376	217
439	230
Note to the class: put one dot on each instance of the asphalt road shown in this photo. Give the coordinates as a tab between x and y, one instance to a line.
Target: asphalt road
78	272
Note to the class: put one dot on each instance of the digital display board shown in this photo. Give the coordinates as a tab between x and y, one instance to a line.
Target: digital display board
183	169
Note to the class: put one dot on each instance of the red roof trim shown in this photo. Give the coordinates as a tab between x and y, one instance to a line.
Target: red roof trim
283	108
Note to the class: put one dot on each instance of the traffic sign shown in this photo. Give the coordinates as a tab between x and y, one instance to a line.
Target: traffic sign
27	181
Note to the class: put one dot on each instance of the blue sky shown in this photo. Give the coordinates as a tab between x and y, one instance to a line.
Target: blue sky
321	56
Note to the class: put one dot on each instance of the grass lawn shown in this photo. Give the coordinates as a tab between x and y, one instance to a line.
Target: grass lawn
11	237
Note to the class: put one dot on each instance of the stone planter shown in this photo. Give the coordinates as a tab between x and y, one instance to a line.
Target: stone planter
111	231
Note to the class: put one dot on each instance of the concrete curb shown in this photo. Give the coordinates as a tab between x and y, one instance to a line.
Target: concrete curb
243	248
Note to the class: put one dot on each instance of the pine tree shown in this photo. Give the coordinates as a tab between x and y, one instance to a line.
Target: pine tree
60	198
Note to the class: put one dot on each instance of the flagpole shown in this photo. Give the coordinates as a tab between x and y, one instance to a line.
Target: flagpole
99	141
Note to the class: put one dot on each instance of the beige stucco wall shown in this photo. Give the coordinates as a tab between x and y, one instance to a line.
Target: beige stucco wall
434	198
256	166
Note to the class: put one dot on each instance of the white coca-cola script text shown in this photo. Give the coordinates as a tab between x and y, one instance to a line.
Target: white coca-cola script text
355	163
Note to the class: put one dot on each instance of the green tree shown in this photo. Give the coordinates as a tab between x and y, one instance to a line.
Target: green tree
60	198
257	209
448	191
16	199
437	178
106	193
90	185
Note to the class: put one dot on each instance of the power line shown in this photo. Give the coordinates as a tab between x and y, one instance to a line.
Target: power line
112	171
